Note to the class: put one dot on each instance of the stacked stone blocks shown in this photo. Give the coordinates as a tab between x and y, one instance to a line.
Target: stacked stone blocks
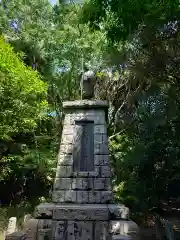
89	186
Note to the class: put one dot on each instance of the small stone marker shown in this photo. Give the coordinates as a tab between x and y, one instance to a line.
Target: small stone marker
11	225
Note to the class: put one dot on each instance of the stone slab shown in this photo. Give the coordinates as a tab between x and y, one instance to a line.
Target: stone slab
85	104
44	234
97	117
81	212
100	129
101	159
82	183
65	160
106	197
105	171
62	183
44	209
64	171
59	230
118	211
19	235
101	230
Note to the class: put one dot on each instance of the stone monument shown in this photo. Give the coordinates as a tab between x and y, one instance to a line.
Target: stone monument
82	205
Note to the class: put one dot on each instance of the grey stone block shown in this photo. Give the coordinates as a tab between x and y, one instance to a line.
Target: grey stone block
70	230
100	138
30	228
70	196
87	105
83	230
64	171
126	228
66	149
99	183
108	184
45	223
19	235
106	196
101	159
45	209
81	212
94	197
118	211
64	159
44	234
82	197
68	130
101	148
100	129
62	183
59	231
101	230
67	139
105	171
82	183
58	196
96	172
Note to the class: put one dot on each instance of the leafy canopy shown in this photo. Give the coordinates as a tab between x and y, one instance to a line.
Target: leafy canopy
22	94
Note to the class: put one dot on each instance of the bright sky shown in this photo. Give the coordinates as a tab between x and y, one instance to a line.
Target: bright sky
53	1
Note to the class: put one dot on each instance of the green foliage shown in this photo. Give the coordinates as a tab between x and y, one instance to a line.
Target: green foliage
23	95
121	19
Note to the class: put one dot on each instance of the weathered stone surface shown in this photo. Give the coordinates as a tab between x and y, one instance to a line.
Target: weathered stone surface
30	229
108	184
121	237
58	196
82	183
94	197
95	116
65	160
85	104
11	225
44	224
99	183
19	235
64	171
81	174
106	196
44	234
105	171
101	148
100	129
101	230
100	138
62	183
82	197
67	139
44	209
83	230
83	152
66	148
102	184
81	212
127	228
118	211
101	159
70	230
69	130
96	172
70	196
59	230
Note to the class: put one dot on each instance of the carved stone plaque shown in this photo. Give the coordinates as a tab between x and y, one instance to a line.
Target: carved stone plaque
83	154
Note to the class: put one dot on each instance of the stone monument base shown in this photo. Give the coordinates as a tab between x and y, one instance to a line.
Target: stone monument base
84	221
